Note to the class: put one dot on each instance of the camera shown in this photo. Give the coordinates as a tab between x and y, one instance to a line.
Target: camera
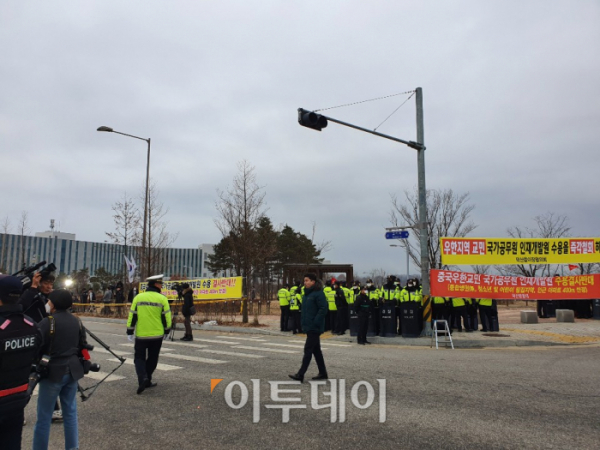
29	272
84	359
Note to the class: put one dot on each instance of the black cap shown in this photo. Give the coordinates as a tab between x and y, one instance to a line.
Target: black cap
61	299
10	289
185	285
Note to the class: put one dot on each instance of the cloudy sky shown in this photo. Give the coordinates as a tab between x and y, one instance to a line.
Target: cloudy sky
511	104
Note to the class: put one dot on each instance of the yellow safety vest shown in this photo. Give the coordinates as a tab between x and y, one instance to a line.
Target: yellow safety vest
456	302
484	301
330	295
284	297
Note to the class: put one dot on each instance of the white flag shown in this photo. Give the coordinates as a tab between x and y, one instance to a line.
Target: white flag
131	266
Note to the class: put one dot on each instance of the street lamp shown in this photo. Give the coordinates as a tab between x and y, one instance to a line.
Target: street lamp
145	252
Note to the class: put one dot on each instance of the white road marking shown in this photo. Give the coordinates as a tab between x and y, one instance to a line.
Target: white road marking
159	366
242	355
260	349
195	358
286	345
216	342
187	344
100	375
242	339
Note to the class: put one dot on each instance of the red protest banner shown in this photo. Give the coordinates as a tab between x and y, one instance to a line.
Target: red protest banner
447	283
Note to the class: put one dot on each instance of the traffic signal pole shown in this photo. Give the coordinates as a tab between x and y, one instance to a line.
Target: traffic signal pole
424	230
310	119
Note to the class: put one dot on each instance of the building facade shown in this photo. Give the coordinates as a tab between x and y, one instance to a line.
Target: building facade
69	254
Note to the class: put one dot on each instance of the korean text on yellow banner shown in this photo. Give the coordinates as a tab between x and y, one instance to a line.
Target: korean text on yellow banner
204	288
447	283
488	251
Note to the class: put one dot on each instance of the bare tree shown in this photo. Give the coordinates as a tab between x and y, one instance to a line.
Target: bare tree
240	208
23	229
378	276
5	226
549	225
448	216
126	217
159	238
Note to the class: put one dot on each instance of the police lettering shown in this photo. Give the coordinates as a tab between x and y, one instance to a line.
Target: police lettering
19	343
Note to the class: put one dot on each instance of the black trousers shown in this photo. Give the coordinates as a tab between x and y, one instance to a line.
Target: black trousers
458	312
342	319
312	347
146	357
363	326
333	320
285	314
296	316
486	317
11	428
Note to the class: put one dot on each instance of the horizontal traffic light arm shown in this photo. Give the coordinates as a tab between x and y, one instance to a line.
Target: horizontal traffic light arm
411	144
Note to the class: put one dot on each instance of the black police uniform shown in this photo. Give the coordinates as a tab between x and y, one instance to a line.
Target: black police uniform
20	341
363	306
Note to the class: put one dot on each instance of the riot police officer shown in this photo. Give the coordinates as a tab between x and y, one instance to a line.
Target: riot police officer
364	308
20	340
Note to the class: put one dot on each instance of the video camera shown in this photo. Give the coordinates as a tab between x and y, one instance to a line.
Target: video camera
42	368
179	288
29	272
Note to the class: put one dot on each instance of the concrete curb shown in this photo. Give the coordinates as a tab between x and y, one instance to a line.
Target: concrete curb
496	342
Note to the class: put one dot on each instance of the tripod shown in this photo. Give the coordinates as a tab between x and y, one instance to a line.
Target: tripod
174	314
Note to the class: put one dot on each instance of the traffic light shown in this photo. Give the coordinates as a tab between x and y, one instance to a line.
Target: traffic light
311	119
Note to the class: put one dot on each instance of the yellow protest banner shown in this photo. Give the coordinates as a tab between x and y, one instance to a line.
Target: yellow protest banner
487	251
204	288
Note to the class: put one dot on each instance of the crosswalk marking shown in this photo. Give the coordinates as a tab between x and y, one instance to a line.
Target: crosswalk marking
194	358
243	339
260	349
328	343
216	342
100	375
117	352
242	355
159	366
187	344
203	348
286	345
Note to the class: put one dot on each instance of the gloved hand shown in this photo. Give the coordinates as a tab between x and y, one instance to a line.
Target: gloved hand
130	337
165	337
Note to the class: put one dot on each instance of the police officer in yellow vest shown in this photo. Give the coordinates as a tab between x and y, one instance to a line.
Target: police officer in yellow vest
284	305
440	309
295	307
485	312
374	295
459	309
150	319
332	311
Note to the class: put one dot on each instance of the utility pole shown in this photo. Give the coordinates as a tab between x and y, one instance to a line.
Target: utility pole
423	225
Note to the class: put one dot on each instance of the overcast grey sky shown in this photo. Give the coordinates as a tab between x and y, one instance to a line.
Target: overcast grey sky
511	105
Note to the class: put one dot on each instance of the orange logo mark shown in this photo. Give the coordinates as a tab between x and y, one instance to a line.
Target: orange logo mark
214	382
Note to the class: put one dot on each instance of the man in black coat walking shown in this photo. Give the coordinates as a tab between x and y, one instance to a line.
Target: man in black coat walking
314	310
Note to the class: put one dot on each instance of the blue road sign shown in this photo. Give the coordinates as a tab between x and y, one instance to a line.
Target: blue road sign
397	234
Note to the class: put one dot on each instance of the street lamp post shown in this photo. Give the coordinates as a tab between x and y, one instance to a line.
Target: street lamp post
145	251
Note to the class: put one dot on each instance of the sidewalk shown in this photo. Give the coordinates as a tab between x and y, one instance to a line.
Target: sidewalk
512	333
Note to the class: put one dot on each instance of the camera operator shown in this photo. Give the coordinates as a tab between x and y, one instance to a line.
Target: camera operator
63	337
35	298
20	340
35	305
187	311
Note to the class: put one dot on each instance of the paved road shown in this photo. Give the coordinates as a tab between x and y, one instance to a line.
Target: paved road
512	398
